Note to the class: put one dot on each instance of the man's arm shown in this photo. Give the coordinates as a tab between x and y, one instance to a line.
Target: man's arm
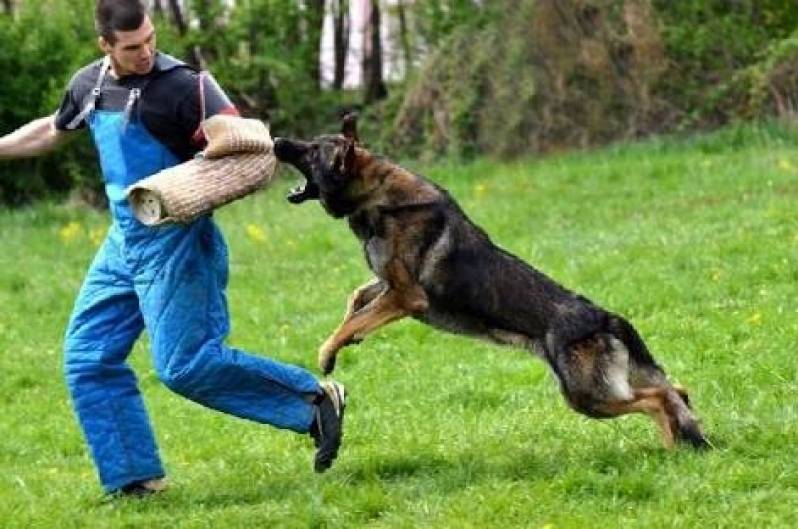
37	137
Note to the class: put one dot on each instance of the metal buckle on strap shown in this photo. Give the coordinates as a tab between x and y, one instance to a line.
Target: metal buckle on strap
135	94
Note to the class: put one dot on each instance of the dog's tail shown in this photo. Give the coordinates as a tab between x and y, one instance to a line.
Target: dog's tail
626	333
645	366
684	424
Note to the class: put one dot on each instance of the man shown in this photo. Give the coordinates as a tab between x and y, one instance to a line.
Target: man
143	109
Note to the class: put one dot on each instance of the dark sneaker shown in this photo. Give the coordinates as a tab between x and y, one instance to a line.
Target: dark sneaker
327	429
143	488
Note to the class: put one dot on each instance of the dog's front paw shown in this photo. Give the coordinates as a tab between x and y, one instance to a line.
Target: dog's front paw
327	357
327	365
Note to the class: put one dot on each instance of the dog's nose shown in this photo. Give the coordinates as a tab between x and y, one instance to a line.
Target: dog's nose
280	149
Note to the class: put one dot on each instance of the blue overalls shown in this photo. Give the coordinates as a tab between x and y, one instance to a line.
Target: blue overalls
171	281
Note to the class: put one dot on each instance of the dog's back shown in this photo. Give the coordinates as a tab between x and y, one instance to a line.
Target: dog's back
465	274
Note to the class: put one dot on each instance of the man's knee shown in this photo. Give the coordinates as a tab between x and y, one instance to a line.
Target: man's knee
186	372
86	370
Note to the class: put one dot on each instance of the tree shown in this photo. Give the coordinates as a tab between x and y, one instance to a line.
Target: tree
404	36
373	82
8	6
179	20
315	24
341	32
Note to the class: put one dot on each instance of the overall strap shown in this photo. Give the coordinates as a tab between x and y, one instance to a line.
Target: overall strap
135	94
203	111
91	103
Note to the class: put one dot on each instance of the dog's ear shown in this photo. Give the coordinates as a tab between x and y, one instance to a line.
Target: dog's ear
349	127
348	158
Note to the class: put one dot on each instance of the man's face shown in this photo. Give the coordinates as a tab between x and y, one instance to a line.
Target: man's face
134	51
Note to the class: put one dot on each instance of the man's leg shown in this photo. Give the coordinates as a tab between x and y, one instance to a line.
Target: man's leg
185	311
103	327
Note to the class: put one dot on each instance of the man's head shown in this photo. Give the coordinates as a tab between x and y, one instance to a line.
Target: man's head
126	35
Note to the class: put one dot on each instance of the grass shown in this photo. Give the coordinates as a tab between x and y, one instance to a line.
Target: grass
695	240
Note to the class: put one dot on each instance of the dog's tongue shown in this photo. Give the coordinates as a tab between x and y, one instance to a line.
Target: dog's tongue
303	192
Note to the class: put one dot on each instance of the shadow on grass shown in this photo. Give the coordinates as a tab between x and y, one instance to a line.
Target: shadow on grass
579	470
619	472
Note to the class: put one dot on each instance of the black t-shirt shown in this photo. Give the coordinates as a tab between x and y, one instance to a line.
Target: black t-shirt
170	106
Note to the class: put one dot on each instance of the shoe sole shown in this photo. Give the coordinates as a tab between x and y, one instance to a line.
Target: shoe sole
337	393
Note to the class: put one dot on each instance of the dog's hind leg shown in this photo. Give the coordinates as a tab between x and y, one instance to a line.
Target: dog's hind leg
601	378
666	406
650	379
652	403
685	424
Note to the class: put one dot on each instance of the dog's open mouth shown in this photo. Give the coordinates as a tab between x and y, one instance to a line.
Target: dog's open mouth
305	191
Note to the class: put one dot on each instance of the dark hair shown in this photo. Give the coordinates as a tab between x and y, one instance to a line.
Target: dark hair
118	15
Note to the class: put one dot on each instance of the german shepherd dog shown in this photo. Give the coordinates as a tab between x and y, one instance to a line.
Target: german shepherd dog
434	264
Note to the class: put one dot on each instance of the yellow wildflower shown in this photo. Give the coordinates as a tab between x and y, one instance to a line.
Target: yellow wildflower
96	236
256	233
70	232
786	165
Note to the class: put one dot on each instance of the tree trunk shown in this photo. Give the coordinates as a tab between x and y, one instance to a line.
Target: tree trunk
373	83
179	20
341	31
157	7
8	6
177	17
404	37
315	26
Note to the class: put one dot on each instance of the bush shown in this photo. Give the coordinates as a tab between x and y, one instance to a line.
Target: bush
575	73
546	75
39	50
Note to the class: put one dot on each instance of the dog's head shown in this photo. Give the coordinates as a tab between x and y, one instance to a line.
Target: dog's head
331	166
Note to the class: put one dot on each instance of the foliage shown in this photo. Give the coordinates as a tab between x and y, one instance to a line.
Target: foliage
39	50
711	43
694	240
545	75
261	52
766	87
498	78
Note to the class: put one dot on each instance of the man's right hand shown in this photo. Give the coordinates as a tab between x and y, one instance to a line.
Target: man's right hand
37	137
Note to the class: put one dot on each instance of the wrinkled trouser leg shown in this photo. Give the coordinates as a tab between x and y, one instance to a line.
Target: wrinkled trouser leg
181	292
103	327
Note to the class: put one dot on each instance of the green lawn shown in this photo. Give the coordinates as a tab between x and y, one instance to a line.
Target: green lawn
696	241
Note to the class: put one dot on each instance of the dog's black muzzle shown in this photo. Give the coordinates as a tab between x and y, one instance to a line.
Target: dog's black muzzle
295	153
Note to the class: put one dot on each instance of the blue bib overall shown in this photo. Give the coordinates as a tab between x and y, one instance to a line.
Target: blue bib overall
170	281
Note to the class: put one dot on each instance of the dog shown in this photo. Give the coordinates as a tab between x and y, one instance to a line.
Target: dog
432	263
